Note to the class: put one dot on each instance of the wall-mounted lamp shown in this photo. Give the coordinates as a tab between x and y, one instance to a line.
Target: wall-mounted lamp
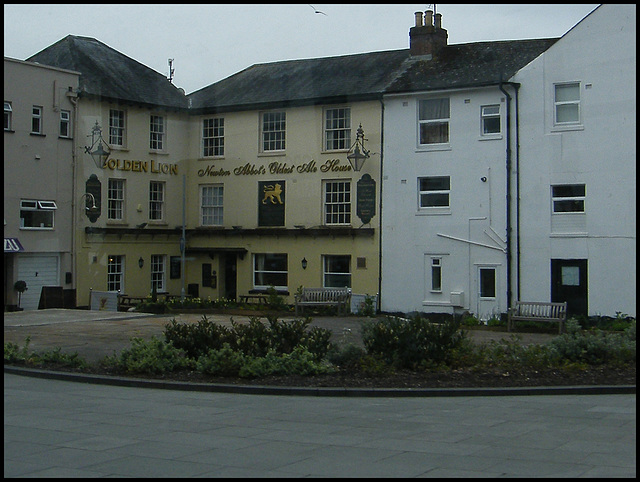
98	153
358	154
483	179
304	263
141	262
92	198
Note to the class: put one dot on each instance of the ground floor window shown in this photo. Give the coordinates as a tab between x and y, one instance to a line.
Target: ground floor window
487	282
270	270
158	273
337	271
115	273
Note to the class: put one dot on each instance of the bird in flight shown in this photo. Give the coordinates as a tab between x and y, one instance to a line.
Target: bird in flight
316	11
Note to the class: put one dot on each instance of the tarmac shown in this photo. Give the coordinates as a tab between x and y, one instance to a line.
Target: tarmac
55	426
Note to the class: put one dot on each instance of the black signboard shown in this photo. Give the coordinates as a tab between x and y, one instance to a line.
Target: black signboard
366	199
271	201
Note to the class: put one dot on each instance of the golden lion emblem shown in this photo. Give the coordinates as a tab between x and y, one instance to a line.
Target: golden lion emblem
272	193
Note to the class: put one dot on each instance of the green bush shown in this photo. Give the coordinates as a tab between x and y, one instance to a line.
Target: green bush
154	356
13	354
299	362
197	339
221	362
414	342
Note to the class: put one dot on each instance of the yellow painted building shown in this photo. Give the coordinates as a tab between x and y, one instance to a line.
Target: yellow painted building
258	163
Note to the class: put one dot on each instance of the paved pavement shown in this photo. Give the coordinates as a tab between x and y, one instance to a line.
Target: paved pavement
57	428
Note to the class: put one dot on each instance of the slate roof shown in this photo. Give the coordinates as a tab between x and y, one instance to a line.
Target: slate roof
296	82
469	65
109	74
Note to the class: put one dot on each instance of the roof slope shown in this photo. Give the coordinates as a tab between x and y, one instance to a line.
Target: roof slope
325	79
107	73
469	65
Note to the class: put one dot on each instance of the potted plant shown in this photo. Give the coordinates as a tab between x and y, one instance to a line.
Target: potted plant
20	286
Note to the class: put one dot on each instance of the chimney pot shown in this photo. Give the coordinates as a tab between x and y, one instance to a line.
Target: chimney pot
418	19
438	21
428	18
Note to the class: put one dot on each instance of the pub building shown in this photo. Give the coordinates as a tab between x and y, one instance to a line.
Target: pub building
269	178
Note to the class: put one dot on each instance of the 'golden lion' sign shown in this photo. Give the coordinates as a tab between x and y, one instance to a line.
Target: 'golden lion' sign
272	193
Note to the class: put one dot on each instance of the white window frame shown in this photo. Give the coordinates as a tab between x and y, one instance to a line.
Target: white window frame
558	199
337	202
8	116
43	209
329	274
487	115
36	120
213	137
425	193
481	292
115	273
158	272
116	199
273	131
426	122
263	258
117	127
563	104
65	124
156	200
157	132
337	128
211	204
436	274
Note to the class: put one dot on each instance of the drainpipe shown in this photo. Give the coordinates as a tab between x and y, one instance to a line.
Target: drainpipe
73	98
379	309
508	188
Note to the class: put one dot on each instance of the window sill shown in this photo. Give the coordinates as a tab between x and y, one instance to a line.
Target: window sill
36	134
118	148
569	235
433	148
158	153
567	128
272	154
492	137
434	212
10	131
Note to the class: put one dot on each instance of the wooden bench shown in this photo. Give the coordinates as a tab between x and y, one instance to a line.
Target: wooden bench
538	311
340	297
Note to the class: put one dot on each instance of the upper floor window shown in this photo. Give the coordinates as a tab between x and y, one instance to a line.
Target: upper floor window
273	128
115	198
156	200
36	120
567	103
156	132
65	123
211	202
433	192
8	116
337	129
213	137
568	198
36	214
337	202
433	121
116	127
490	119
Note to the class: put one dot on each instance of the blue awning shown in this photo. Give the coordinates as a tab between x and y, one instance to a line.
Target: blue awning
12	245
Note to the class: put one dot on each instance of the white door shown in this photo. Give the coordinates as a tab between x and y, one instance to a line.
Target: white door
37	271
488	305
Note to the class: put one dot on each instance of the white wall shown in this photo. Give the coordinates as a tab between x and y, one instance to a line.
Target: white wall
600	53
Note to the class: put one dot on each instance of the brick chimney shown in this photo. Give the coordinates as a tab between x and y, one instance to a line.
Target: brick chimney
427	37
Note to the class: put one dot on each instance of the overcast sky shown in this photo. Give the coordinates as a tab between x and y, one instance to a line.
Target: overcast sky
211	42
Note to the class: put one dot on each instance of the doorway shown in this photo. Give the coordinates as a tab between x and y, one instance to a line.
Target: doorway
569	283
229	270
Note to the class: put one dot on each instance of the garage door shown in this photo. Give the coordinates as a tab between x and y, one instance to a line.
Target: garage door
37	271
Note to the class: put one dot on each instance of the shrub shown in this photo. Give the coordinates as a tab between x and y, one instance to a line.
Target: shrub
197	339
154	356
412	343
298	362
221	362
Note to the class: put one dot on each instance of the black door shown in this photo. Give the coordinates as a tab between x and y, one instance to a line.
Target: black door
230	276
569	283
